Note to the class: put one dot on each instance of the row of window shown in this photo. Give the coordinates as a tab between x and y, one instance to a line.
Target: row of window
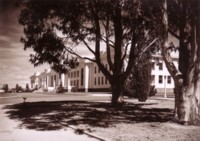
100	81
74	83
74	74
97	70
161	79
160	66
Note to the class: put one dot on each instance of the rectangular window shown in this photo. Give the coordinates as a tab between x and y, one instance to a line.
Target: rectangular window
153	65
169	81
160	79
98	80
71	74
95	81
160	65
77	83
77	73
51	81
106	81
95	69
153	79
102	80
82	77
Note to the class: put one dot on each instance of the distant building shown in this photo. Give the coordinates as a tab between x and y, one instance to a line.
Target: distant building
34	80
88	78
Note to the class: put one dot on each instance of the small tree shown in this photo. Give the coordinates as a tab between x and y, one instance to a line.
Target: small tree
5	88
138	84
17	88
27	88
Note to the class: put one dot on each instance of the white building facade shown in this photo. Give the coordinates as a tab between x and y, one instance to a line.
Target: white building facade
88	78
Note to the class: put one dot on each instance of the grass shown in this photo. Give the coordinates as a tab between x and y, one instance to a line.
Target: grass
151	120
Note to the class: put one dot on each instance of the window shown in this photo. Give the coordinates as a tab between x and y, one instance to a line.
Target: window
95	69
51	81
106	80
82	77
77	73
77	83
153	79
102	81
153	65
160	66
160	79
71	74
46	81
169	80
95	81
98	80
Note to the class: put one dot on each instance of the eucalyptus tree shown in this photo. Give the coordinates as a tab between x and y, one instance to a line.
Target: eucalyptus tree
186	28
55	28
181	18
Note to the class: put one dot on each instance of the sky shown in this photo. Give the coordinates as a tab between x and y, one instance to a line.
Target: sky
15	67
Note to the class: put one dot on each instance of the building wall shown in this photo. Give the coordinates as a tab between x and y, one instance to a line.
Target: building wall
87	77
35	80
160	75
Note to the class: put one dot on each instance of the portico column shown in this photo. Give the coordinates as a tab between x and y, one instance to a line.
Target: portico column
63	79
68	85
86	78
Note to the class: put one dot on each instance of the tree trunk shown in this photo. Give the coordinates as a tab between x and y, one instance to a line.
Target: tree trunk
190	99
117	98
177	93
190	92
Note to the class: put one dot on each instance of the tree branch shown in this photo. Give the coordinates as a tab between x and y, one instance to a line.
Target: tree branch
173	33
145	48
68	49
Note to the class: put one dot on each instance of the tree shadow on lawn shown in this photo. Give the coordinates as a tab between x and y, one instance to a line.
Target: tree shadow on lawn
57	115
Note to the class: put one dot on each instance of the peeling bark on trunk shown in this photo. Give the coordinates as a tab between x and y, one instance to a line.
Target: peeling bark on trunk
190	98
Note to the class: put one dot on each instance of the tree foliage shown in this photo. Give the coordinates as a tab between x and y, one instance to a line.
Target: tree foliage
5	88
112	25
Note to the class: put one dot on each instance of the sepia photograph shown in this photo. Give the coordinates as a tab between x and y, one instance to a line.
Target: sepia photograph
100	70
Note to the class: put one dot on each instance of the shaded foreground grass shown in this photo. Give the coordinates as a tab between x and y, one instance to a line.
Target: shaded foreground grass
56	115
